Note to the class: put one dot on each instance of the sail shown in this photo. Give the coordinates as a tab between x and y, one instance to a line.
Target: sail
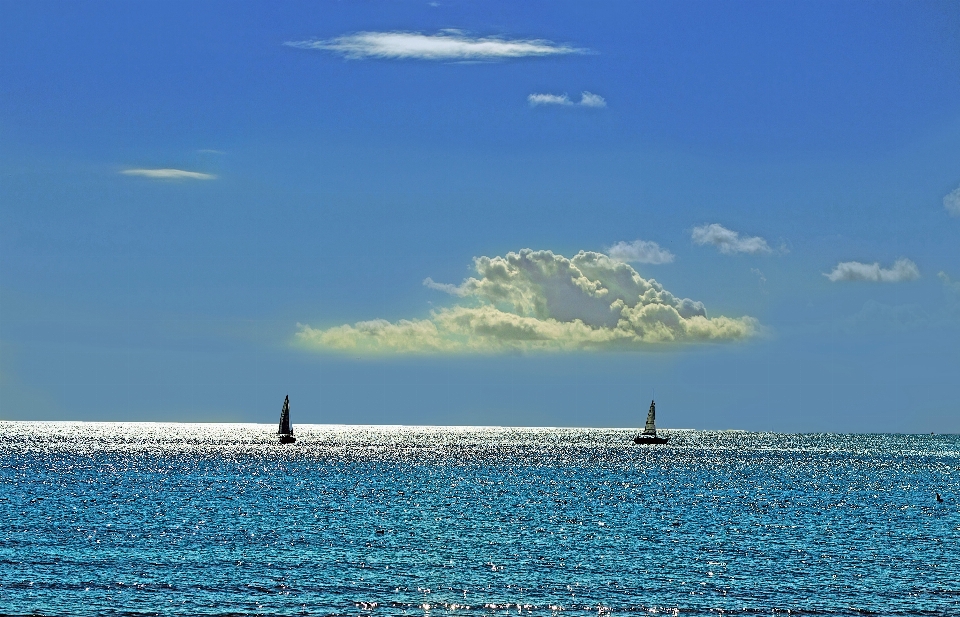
651	426
285	428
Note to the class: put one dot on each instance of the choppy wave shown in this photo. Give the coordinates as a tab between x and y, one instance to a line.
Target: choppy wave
220	519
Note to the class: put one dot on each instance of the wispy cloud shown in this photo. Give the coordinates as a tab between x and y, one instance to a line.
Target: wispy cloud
892	317
450	288
640	251
541	301
949	283
881	317
587	99
445	45
952	202
169	174
728	241
903	270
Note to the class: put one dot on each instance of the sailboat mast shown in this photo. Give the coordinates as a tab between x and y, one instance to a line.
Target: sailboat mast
285	418
649	433
650	428
286	431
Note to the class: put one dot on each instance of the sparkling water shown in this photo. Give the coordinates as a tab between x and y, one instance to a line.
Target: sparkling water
220	519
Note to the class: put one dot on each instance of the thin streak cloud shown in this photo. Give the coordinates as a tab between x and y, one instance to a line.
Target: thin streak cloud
587	99
903	270
169	174
447	45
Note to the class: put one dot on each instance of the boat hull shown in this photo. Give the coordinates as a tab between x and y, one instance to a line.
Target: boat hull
287	439
641	441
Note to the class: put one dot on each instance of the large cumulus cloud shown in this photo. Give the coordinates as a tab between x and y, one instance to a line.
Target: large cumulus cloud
538	300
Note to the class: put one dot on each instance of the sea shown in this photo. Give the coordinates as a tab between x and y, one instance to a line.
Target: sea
220	519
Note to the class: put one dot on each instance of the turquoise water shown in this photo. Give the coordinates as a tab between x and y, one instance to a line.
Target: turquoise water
190	519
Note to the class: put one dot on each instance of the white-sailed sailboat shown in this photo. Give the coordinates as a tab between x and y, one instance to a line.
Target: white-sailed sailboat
649	434
286	431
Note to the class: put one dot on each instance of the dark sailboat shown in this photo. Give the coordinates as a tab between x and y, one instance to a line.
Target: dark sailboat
649	434
286	431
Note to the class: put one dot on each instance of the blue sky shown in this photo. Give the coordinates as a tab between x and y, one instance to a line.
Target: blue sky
204	207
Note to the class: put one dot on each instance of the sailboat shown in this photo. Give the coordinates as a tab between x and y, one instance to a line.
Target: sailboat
649	434
286	431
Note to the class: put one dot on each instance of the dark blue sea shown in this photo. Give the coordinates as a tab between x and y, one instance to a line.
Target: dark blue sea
219	519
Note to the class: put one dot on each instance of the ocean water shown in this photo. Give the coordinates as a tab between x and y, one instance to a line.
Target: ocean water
219	519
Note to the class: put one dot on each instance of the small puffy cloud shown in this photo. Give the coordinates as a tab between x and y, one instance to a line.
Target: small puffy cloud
640	251
448	45
541	301
728	241
903	270
587	99
952	202
168	174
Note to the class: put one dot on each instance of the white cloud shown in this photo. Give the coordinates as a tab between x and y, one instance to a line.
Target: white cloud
586	100
640	251
168	174
903	270
953	291
446	45
540	301
952	202
453	290
728	241
549	99
948	282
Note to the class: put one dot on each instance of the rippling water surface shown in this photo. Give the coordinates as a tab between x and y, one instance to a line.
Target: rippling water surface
192	519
